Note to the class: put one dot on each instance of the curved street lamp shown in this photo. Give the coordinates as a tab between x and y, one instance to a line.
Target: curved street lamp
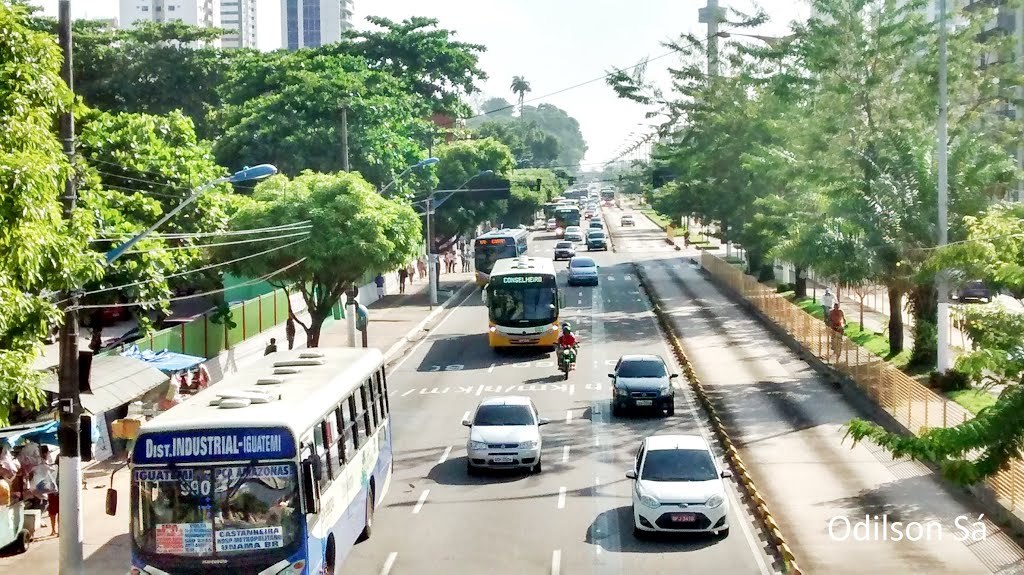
420	164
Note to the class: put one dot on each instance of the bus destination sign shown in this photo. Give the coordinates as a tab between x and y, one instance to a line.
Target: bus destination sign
518	280
213	445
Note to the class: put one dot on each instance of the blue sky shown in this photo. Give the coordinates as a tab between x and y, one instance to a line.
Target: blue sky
554	44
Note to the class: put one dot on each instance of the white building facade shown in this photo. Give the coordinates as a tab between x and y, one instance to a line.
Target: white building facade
312	23
238	16
204	13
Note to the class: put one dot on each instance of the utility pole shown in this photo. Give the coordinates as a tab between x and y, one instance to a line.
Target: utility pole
431	258
69	481
710	15
344	138
945	361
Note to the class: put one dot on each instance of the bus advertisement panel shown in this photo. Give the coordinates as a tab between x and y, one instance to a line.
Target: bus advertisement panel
494	246
523	304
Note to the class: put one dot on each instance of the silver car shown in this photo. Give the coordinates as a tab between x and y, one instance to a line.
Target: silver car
504	433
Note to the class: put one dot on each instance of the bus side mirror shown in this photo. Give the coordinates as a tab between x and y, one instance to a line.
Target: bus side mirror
111	501
310	489
483	295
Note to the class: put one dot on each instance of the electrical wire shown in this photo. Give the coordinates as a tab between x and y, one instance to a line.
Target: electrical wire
137	191
167	184
122	166
573	87
197	270
201	246
193	296
305	224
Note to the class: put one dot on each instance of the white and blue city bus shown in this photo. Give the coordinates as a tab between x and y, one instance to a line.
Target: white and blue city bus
275	470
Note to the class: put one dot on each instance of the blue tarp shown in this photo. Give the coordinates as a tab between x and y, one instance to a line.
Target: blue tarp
165	361
39	433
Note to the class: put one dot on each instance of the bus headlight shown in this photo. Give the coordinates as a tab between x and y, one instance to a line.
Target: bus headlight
554	328
493	329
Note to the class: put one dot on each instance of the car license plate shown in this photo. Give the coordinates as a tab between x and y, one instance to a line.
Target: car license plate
502	459
684	517
644	402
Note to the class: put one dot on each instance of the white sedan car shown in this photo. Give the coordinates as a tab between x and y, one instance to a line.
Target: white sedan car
504	433
678	487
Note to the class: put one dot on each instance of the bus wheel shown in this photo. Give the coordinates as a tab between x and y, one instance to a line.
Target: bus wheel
368	526
329	557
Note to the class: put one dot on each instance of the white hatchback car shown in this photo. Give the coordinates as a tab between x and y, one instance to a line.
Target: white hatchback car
551	225
678	487
504	433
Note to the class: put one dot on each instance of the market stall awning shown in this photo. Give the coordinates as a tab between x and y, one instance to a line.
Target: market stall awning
114	381
166	361
42	432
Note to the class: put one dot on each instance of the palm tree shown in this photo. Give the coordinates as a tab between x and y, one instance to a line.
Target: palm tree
520	87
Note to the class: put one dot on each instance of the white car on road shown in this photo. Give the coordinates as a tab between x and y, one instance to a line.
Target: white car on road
678	487
504	433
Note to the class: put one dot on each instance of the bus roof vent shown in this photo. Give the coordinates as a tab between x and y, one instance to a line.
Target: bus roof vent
269	380
234	402
285	371
253	396
310	355
298	363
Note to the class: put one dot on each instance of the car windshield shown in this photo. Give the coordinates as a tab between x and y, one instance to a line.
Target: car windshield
491	415
582	263
563	245
641	368
597	235
216	511
678	465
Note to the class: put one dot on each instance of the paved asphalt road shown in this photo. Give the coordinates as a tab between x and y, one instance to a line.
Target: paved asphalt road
575	516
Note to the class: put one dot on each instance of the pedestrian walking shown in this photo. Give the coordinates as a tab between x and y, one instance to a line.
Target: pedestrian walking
403	275
465	258
421	266
449	260
52	499
379	280
271	347
827	299
837	321
289	331
410	272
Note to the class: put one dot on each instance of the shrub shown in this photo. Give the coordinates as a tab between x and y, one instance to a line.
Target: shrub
782	288
951	380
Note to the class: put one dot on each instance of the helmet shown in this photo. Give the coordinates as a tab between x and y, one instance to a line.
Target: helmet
566	328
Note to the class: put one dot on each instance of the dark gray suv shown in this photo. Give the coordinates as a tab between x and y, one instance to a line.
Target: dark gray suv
642	381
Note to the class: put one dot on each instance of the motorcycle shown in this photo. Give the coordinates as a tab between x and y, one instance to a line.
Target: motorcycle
567	361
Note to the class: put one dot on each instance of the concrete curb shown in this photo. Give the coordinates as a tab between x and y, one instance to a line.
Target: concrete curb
760	506
397	349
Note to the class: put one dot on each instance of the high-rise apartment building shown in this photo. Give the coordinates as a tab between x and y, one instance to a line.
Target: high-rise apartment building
238	16
312	23
204	13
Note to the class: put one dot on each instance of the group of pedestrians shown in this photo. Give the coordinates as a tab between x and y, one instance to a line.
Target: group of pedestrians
835	319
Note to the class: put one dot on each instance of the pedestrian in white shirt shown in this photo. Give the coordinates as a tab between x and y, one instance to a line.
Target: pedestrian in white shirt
827	299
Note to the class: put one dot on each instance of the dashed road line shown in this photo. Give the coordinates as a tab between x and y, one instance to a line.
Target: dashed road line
408	392
444	456
491	369
572	389
556	562
568	416
561	497
421	501
565	454
389	563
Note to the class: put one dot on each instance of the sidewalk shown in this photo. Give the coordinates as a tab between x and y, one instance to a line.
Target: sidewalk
395	322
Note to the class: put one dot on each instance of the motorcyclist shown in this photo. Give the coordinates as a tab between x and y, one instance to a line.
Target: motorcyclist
566	341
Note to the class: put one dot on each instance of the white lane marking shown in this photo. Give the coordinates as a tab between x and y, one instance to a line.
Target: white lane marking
465	416
565	454
389	563
490	369
422	500
408	392
412	351
597	441
444	456
568	416
556	562
480	390
572	389
561	497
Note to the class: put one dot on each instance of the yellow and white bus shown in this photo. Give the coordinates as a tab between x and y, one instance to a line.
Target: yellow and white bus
497	245
523	303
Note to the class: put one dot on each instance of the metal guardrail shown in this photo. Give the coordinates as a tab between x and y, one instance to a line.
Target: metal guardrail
913	405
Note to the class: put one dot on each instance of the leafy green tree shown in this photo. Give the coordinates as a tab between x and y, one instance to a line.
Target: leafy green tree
526	200
459	162
531	146
520	87
354	231
435	67
565	129
285	108
42	252
140	167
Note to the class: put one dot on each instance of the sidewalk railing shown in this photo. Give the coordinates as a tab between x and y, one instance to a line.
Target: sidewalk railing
914	406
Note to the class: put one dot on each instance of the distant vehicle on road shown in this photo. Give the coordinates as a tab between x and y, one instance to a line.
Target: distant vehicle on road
573	234
627	221
496	245
974	290
565	251
596	224
504	433
523	303
551	225
582	271
589	213
597	240
642	381
567	216
276	469
607	197
678	487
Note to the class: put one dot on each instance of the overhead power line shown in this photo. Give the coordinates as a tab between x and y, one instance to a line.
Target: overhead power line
201	246
303	225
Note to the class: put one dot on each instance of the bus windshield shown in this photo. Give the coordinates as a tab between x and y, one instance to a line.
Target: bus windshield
223	511
487	254
527	304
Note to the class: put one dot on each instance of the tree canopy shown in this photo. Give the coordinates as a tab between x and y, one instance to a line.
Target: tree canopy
461	162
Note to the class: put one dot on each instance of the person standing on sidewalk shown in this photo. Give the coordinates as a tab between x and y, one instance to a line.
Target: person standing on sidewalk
379	281
827	300
289	331
465	258
403	275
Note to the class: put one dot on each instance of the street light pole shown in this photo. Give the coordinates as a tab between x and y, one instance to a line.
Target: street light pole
945	360
431	265
69	470
709	15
